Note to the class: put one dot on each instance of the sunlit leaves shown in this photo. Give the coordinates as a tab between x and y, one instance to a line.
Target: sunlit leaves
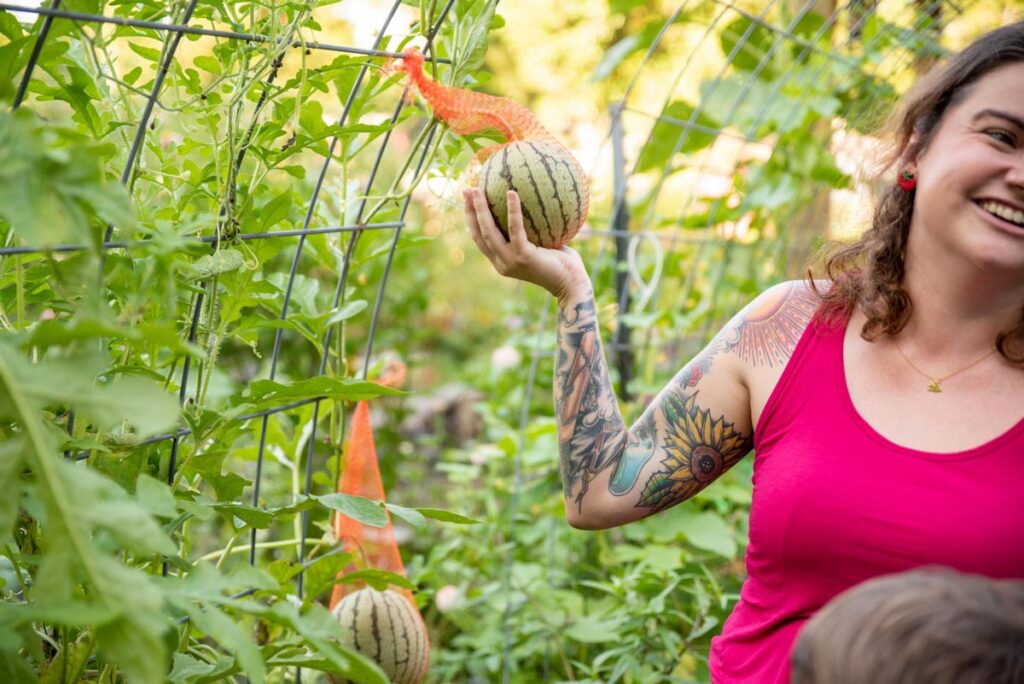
748	44
51	191
679	129
270	393
100	342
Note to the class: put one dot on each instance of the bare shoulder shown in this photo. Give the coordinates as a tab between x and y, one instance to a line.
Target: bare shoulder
758	341
764	335
766	331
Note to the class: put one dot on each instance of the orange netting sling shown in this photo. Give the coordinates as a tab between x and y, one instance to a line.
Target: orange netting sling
467	112
360	476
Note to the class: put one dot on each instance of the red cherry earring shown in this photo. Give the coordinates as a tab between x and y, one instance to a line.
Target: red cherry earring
907	181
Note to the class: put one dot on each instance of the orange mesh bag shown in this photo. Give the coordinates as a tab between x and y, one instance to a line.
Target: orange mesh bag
466	111
360	476
376	546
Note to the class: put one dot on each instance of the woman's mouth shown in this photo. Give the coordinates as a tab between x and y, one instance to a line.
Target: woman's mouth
1003	212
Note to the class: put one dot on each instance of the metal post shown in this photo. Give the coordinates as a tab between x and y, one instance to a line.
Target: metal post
624	360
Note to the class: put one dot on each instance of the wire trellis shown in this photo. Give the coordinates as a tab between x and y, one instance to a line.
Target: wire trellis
838	45
365	220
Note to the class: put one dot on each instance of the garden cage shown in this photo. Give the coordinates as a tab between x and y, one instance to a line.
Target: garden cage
202	204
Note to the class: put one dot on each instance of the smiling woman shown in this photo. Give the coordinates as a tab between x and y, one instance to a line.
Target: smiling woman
886	404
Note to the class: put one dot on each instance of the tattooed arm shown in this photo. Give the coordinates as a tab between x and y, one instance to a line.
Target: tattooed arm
697	427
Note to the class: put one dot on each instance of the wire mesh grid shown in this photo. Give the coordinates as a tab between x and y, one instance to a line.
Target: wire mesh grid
779	102
255	69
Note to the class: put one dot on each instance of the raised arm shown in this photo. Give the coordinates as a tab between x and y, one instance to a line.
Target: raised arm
696	428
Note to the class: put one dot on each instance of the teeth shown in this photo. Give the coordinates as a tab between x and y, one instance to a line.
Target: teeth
1004	212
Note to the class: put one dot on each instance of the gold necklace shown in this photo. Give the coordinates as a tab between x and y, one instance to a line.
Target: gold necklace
935	384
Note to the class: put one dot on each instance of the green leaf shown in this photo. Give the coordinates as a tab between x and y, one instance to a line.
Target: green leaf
52	183
675	131
592	630
215	623
155	497
378	579
366	511
250	577
347	311
140	654
749	44
321	572
106	506
274	211
708	531
221	261
253	517
614	55
69	663
264	393
409	515
475	50
446	516
10	485
209	464
188	669
207	63
13	665
152	54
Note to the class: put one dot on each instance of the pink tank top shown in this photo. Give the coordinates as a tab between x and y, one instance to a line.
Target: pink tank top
836	503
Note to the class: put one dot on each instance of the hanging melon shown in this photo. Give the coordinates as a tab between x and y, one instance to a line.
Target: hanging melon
552	188
385	627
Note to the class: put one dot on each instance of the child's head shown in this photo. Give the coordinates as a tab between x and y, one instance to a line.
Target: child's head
932	626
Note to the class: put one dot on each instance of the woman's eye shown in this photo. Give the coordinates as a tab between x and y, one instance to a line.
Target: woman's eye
1002	136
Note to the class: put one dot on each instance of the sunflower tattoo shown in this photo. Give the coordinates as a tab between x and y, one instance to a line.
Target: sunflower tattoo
699	449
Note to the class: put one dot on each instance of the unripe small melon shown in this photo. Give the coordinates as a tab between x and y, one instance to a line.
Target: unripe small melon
553	190
386	628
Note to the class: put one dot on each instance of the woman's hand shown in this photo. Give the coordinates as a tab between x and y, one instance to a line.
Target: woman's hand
559	271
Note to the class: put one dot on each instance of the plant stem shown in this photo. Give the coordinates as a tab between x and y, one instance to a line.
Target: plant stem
83	660
64	653
390	196
227	550
19	307
231	550
9	553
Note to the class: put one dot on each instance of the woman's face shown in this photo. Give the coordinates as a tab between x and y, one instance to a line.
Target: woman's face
970	177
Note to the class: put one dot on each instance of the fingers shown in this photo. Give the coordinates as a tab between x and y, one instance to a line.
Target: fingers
489	233
469	208
510	257
516	229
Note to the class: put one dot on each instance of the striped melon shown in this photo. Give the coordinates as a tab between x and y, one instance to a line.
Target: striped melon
553	190
385	627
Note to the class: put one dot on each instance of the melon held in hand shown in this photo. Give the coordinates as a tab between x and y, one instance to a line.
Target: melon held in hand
553	190
386	628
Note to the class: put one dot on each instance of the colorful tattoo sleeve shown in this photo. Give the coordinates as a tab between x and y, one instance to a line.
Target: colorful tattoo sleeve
678	446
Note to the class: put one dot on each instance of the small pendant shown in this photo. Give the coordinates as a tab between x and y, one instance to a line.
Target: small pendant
934	386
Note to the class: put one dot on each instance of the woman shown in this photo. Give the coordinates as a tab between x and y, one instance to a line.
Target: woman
888	427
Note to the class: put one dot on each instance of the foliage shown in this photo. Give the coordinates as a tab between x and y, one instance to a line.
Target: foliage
137	393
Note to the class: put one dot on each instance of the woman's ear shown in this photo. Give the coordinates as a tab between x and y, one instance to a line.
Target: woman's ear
907	160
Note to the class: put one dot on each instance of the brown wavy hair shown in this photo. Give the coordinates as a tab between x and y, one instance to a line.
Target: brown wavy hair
870	272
